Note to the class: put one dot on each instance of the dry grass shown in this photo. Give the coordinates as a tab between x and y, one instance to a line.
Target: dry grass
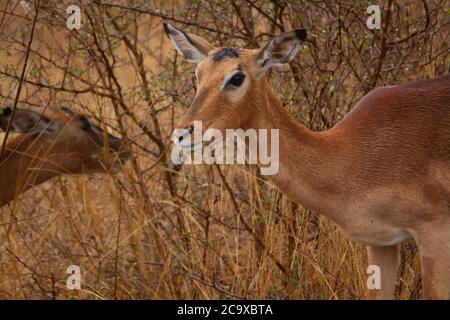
204	232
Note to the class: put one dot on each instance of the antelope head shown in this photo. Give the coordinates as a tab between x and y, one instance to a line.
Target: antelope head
231	82
66	141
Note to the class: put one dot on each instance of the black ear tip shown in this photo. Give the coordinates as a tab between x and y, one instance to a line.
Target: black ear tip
301	34
6	111
166	28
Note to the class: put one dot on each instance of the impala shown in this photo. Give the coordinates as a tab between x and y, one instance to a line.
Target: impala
382	174
57	142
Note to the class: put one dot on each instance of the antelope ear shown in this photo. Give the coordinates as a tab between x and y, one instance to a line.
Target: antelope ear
279	50
26	121
193	48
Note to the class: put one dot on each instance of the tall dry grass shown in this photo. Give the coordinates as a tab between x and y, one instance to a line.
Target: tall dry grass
202	232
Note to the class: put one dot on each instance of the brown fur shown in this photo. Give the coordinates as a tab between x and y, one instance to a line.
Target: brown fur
382	174
33	158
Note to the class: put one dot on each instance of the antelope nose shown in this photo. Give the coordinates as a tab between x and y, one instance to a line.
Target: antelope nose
181	134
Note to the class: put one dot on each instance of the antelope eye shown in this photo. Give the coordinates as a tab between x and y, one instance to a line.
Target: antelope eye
65	109
85	124
236	80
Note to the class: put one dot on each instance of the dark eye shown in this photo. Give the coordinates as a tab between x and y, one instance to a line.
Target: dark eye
65	109
85	124
236	80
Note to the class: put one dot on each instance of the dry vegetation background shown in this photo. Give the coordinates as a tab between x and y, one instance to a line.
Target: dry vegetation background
203	232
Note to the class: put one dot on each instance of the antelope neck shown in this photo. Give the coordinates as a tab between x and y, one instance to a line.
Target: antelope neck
18	166
307	170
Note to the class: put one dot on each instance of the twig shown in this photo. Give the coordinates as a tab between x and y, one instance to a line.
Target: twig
22	76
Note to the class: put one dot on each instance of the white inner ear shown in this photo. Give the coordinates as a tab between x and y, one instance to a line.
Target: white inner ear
184	47
268	60
291	50
264	63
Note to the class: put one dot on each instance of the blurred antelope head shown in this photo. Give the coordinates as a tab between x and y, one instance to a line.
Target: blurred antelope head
65	140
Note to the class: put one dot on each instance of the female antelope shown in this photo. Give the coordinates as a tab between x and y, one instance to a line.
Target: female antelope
382	173
59	141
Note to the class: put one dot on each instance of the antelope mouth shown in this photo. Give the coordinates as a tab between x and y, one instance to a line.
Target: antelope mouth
117	167
122	155
114	161
119	159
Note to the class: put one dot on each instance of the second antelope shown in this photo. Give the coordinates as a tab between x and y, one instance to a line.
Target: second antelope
57	142
382	174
